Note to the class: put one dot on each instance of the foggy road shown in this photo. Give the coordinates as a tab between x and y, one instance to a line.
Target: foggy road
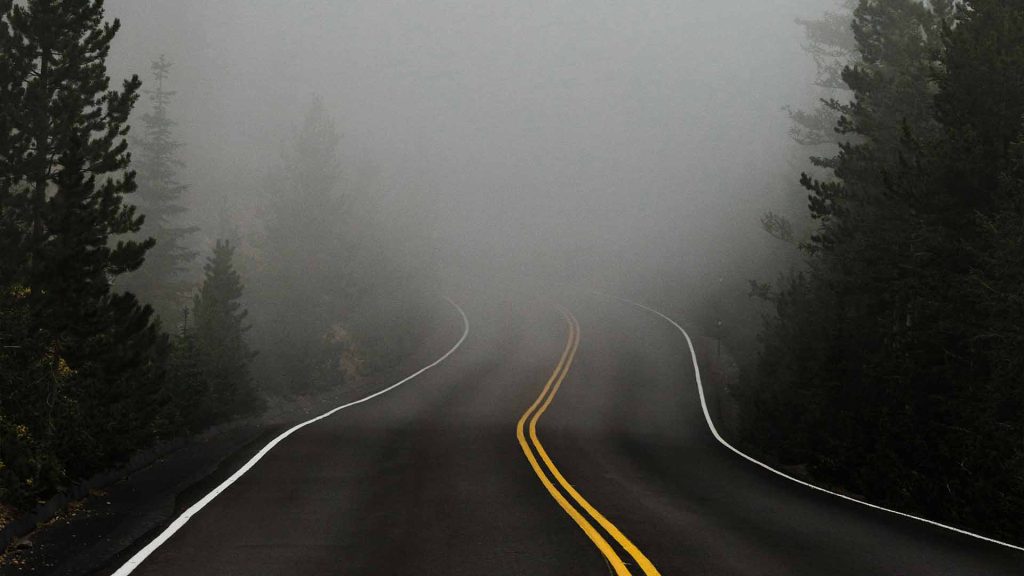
551	442
229	229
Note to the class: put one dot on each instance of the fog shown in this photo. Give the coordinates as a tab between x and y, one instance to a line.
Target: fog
602	140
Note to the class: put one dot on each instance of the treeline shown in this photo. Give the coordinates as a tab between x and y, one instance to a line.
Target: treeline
87	375
892	364
328	299
111	339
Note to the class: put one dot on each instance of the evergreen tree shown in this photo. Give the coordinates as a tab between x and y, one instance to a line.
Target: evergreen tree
63	179
302	289
893	365
830	42
973	178
892	87
160	282
187	389
220	336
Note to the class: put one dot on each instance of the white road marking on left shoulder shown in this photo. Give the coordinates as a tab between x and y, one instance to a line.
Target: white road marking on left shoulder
180	521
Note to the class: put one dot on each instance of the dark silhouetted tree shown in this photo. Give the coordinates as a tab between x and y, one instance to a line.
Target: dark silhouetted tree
63	180
892	365
830	42
187	389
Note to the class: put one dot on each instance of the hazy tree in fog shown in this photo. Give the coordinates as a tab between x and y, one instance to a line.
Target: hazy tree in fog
830	42
186	395
980	102
893	89
303	282
220	335
161	282
63	182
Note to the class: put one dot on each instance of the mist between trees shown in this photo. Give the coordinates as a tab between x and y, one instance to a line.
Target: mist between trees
109	339
876	314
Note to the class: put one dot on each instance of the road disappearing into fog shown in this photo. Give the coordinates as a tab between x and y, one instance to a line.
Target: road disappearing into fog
565	436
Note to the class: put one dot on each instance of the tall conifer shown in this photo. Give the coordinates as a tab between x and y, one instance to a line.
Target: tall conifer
893	365
301	289
160	282
220	327
63	180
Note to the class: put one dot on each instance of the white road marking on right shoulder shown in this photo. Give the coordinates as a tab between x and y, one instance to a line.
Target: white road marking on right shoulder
180	521
714	431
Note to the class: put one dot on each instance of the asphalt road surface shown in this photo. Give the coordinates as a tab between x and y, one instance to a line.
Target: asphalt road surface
620	475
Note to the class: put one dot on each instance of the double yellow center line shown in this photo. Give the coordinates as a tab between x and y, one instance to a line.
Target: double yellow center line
536	454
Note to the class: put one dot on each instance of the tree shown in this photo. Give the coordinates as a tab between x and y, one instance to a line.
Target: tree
303	284
187	389
892	88
893	366
64	176
974	180
160	282
220	337
832	46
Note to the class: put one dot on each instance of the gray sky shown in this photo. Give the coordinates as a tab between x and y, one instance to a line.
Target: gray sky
499	127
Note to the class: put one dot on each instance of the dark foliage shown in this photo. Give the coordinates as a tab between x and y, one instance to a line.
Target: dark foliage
892	366
223	354
83	356
86	376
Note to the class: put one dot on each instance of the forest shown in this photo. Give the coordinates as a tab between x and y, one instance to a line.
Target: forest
890	363
116	331
881	347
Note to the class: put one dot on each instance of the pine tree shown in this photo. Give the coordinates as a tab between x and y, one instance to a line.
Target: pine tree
837	323
220	336
892	87
830	42
989	400
981	88
893	365
160	282
974	177
187	389
63	180
301	290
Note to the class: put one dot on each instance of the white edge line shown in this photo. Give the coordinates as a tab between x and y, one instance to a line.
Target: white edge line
711	425
185	516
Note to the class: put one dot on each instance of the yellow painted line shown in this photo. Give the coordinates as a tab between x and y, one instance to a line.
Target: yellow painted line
534	414
583	523
638	556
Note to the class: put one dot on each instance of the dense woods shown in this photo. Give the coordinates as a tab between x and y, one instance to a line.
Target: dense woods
81	362
891	364
163	281
111	338
304	280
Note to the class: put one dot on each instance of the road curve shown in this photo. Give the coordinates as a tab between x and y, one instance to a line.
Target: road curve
431	478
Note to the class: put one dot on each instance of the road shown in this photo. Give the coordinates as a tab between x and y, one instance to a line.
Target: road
443	476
